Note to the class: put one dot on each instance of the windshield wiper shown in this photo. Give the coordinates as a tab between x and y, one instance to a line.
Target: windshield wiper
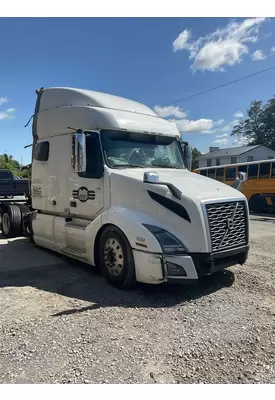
144	166
164	166
128	165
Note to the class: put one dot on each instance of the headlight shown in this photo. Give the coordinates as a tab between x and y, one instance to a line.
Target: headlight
168	242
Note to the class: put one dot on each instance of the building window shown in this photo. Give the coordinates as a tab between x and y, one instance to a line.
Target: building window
209	162
270	157
250	158
233	160
218	161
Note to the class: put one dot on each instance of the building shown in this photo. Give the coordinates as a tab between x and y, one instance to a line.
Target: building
217	156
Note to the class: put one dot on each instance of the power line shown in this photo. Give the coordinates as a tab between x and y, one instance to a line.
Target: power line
220	86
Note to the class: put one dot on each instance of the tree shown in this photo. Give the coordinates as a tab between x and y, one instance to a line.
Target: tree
259	125
195	154
8	162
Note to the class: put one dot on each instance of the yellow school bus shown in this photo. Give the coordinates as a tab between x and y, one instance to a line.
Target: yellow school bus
258	186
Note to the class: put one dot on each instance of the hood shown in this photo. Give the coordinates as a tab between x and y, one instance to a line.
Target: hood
190	184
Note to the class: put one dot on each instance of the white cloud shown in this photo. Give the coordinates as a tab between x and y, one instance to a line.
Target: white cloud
224	135
224	47
228	128
222	130
258	55
240	141
3	100
200	125
182	40
220	142
216	54
215	126
9	113
239	115
219	122
183	124
169	111
10	110
272	50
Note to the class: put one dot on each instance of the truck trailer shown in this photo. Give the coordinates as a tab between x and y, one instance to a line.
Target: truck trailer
111	186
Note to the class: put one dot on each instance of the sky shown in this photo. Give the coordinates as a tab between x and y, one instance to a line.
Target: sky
155	61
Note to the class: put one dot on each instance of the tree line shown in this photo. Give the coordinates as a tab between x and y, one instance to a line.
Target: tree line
258	126
8	162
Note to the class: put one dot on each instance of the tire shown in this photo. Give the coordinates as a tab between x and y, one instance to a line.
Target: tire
11	221
24	210
26	223
116	258
257	204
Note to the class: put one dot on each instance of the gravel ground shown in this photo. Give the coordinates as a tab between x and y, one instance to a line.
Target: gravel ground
61	323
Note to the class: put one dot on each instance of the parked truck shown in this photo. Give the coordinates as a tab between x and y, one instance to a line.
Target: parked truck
111	187
11	186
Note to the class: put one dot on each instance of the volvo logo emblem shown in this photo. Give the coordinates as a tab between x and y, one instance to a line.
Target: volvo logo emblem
83	194
230	224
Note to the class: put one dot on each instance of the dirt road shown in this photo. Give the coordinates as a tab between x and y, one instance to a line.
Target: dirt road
60	322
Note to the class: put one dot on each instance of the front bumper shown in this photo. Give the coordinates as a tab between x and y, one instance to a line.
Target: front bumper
184	268
203	264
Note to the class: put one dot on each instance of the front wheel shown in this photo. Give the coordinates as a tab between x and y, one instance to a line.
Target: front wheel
116	258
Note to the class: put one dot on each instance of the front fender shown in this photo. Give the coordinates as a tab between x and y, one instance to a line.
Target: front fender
130	223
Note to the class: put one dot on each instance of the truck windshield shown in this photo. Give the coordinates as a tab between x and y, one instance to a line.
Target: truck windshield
139	150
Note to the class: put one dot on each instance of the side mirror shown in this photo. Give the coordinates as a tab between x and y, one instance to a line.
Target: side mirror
41	151
79	152
187	152
150	177
242	176
237	184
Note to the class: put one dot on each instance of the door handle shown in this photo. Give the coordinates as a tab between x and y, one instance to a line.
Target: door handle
73	204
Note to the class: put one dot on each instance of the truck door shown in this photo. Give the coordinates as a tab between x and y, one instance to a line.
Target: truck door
86	189
85	195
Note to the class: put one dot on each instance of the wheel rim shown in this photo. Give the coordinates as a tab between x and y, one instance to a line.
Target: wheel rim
113	257
6	223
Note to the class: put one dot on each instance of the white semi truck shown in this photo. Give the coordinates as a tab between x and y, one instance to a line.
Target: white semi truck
110	186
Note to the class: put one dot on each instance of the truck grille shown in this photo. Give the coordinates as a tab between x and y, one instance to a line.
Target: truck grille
227	224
